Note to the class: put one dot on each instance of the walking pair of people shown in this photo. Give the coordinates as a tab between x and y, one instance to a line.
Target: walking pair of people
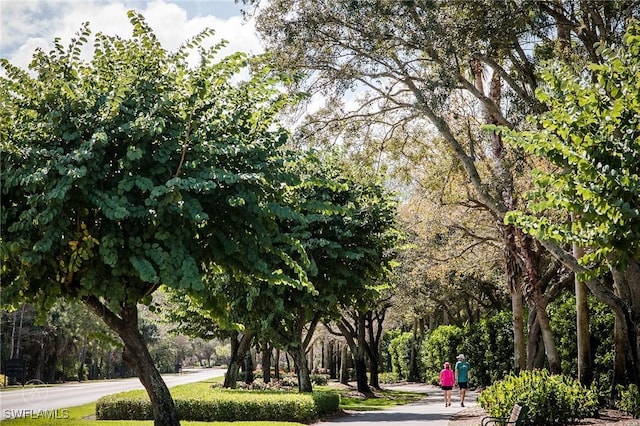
457	377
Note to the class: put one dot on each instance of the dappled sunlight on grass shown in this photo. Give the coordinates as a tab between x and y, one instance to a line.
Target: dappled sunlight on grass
350	399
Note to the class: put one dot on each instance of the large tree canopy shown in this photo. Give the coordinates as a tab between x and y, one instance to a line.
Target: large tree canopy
427	69
129	170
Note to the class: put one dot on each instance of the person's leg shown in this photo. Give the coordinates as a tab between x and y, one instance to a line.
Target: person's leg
463	392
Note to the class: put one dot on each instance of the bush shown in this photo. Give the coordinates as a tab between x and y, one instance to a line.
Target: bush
443	344
224	406
400	354
385	358
551	399
562	313
319	379
388	378
326	402
629	400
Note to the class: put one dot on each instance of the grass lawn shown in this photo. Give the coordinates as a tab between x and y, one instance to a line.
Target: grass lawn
84	415
352	400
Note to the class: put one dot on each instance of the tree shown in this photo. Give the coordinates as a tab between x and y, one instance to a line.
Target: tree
588	193
132	169
451	67
353	249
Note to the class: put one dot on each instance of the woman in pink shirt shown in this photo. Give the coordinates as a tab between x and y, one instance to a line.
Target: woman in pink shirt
447	380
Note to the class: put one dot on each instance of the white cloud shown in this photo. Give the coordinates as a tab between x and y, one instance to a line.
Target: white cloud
35	23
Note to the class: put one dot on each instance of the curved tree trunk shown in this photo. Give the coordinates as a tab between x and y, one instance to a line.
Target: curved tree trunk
355	337
136	355
533	294
553	358
535	346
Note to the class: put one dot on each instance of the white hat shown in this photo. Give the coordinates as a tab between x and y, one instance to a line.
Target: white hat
461	356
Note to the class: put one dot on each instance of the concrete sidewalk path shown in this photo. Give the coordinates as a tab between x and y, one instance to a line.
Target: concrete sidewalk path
429	411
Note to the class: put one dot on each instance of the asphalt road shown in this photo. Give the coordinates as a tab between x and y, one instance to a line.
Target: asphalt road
51	400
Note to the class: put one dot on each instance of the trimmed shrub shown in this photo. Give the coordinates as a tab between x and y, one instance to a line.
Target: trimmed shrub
326	402
124	406
629	400
224	406
551	399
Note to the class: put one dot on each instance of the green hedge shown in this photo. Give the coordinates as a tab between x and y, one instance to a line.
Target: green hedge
223	405
551	399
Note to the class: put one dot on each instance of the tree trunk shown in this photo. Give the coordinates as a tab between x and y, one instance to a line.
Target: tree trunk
360	364
533	294
625	303
266	363
553	358
513	277
374	373
373	346
247	368
344	365
413	363
585	360
276	372
519	349
299	356
332	359
619	357
137	357
355	337
627	284
238	351
532	339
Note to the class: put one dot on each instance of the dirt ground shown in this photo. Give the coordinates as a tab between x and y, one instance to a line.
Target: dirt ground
473	417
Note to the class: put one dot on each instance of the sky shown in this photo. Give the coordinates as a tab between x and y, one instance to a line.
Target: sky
28	24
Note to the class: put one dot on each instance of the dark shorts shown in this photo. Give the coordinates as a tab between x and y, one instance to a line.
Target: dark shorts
447	387
463	385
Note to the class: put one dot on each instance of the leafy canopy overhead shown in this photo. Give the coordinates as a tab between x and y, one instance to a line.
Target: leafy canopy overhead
591	137
129	170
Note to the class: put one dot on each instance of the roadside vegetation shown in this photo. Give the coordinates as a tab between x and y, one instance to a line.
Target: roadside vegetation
470	185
